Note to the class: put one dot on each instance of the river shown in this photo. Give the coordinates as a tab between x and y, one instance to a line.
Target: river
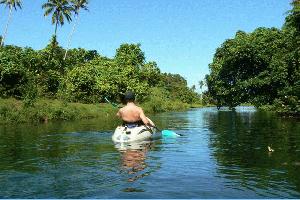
221	154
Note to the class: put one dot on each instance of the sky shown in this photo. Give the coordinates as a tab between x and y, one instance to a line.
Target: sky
181	36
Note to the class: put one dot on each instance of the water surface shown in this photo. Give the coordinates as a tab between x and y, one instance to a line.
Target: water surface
222	154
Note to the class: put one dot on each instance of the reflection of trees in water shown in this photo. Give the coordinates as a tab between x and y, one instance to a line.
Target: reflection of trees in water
22	149
17	149
239	141
47	153
21	146
168	121
51	161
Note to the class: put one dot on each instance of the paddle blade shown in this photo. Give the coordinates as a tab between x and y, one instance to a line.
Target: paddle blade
168	133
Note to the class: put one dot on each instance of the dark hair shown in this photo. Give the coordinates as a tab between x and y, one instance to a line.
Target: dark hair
129	96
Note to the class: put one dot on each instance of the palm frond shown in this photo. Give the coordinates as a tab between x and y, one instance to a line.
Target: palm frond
48	11
17	4
12	3
79	4
47	5
61	20
61	10
53	21
67	15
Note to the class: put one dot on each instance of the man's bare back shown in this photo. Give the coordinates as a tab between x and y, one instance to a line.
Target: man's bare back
132	113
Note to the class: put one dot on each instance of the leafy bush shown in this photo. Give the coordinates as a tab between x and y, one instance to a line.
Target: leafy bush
159	100
14	76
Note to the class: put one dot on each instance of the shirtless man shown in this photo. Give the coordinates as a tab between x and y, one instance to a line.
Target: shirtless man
132	114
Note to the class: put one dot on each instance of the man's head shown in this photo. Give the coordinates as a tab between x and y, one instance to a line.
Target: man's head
129	96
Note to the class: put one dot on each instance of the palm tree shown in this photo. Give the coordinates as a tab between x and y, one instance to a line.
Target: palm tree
10	4
61	10
77	5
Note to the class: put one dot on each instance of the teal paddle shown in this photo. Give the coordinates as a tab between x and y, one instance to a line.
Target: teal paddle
167	133
113	104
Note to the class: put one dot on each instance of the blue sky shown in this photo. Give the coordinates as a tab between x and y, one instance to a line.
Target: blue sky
180	35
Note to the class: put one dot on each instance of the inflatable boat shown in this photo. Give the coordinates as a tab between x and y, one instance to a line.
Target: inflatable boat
125	133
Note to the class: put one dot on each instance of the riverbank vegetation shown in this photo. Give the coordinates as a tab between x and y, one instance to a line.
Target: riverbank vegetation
261	68
45	110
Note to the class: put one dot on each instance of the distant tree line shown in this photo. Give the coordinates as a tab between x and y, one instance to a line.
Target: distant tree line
261	68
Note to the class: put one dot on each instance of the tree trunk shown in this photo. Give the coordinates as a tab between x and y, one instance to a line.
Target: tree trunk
6	27
71	35
53	43
55	27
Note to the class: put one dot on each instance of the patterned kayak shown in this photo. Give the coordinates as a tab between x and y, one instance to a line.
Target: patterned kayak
126	133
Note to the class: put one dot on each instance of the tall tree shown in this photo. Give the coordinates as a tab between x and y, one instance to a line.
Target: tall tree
61	10
293	19
130	55
77	5
10	4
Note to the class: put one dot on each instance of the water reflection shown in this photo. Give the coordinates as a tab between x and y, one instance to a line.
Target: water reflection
133	158
222	154
239	142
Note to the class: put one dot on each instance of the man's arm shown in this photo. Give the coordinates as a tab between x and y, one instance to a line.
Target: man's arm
145	119
119	113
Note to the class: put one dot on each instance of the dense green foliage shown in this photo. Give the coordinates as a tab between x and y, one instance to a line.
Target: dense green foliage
87	77
261	68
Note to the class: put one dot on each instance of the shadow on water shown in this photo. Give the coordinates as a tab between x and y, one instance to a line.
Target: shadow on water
239	141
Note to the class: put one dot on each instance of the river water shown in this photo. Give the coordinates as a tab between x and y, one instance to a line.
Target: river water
221	154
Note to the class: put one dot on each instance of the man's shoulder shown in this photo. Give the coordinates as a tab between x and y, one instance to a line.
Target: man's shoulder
140	108
132	107
121	109
136	107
